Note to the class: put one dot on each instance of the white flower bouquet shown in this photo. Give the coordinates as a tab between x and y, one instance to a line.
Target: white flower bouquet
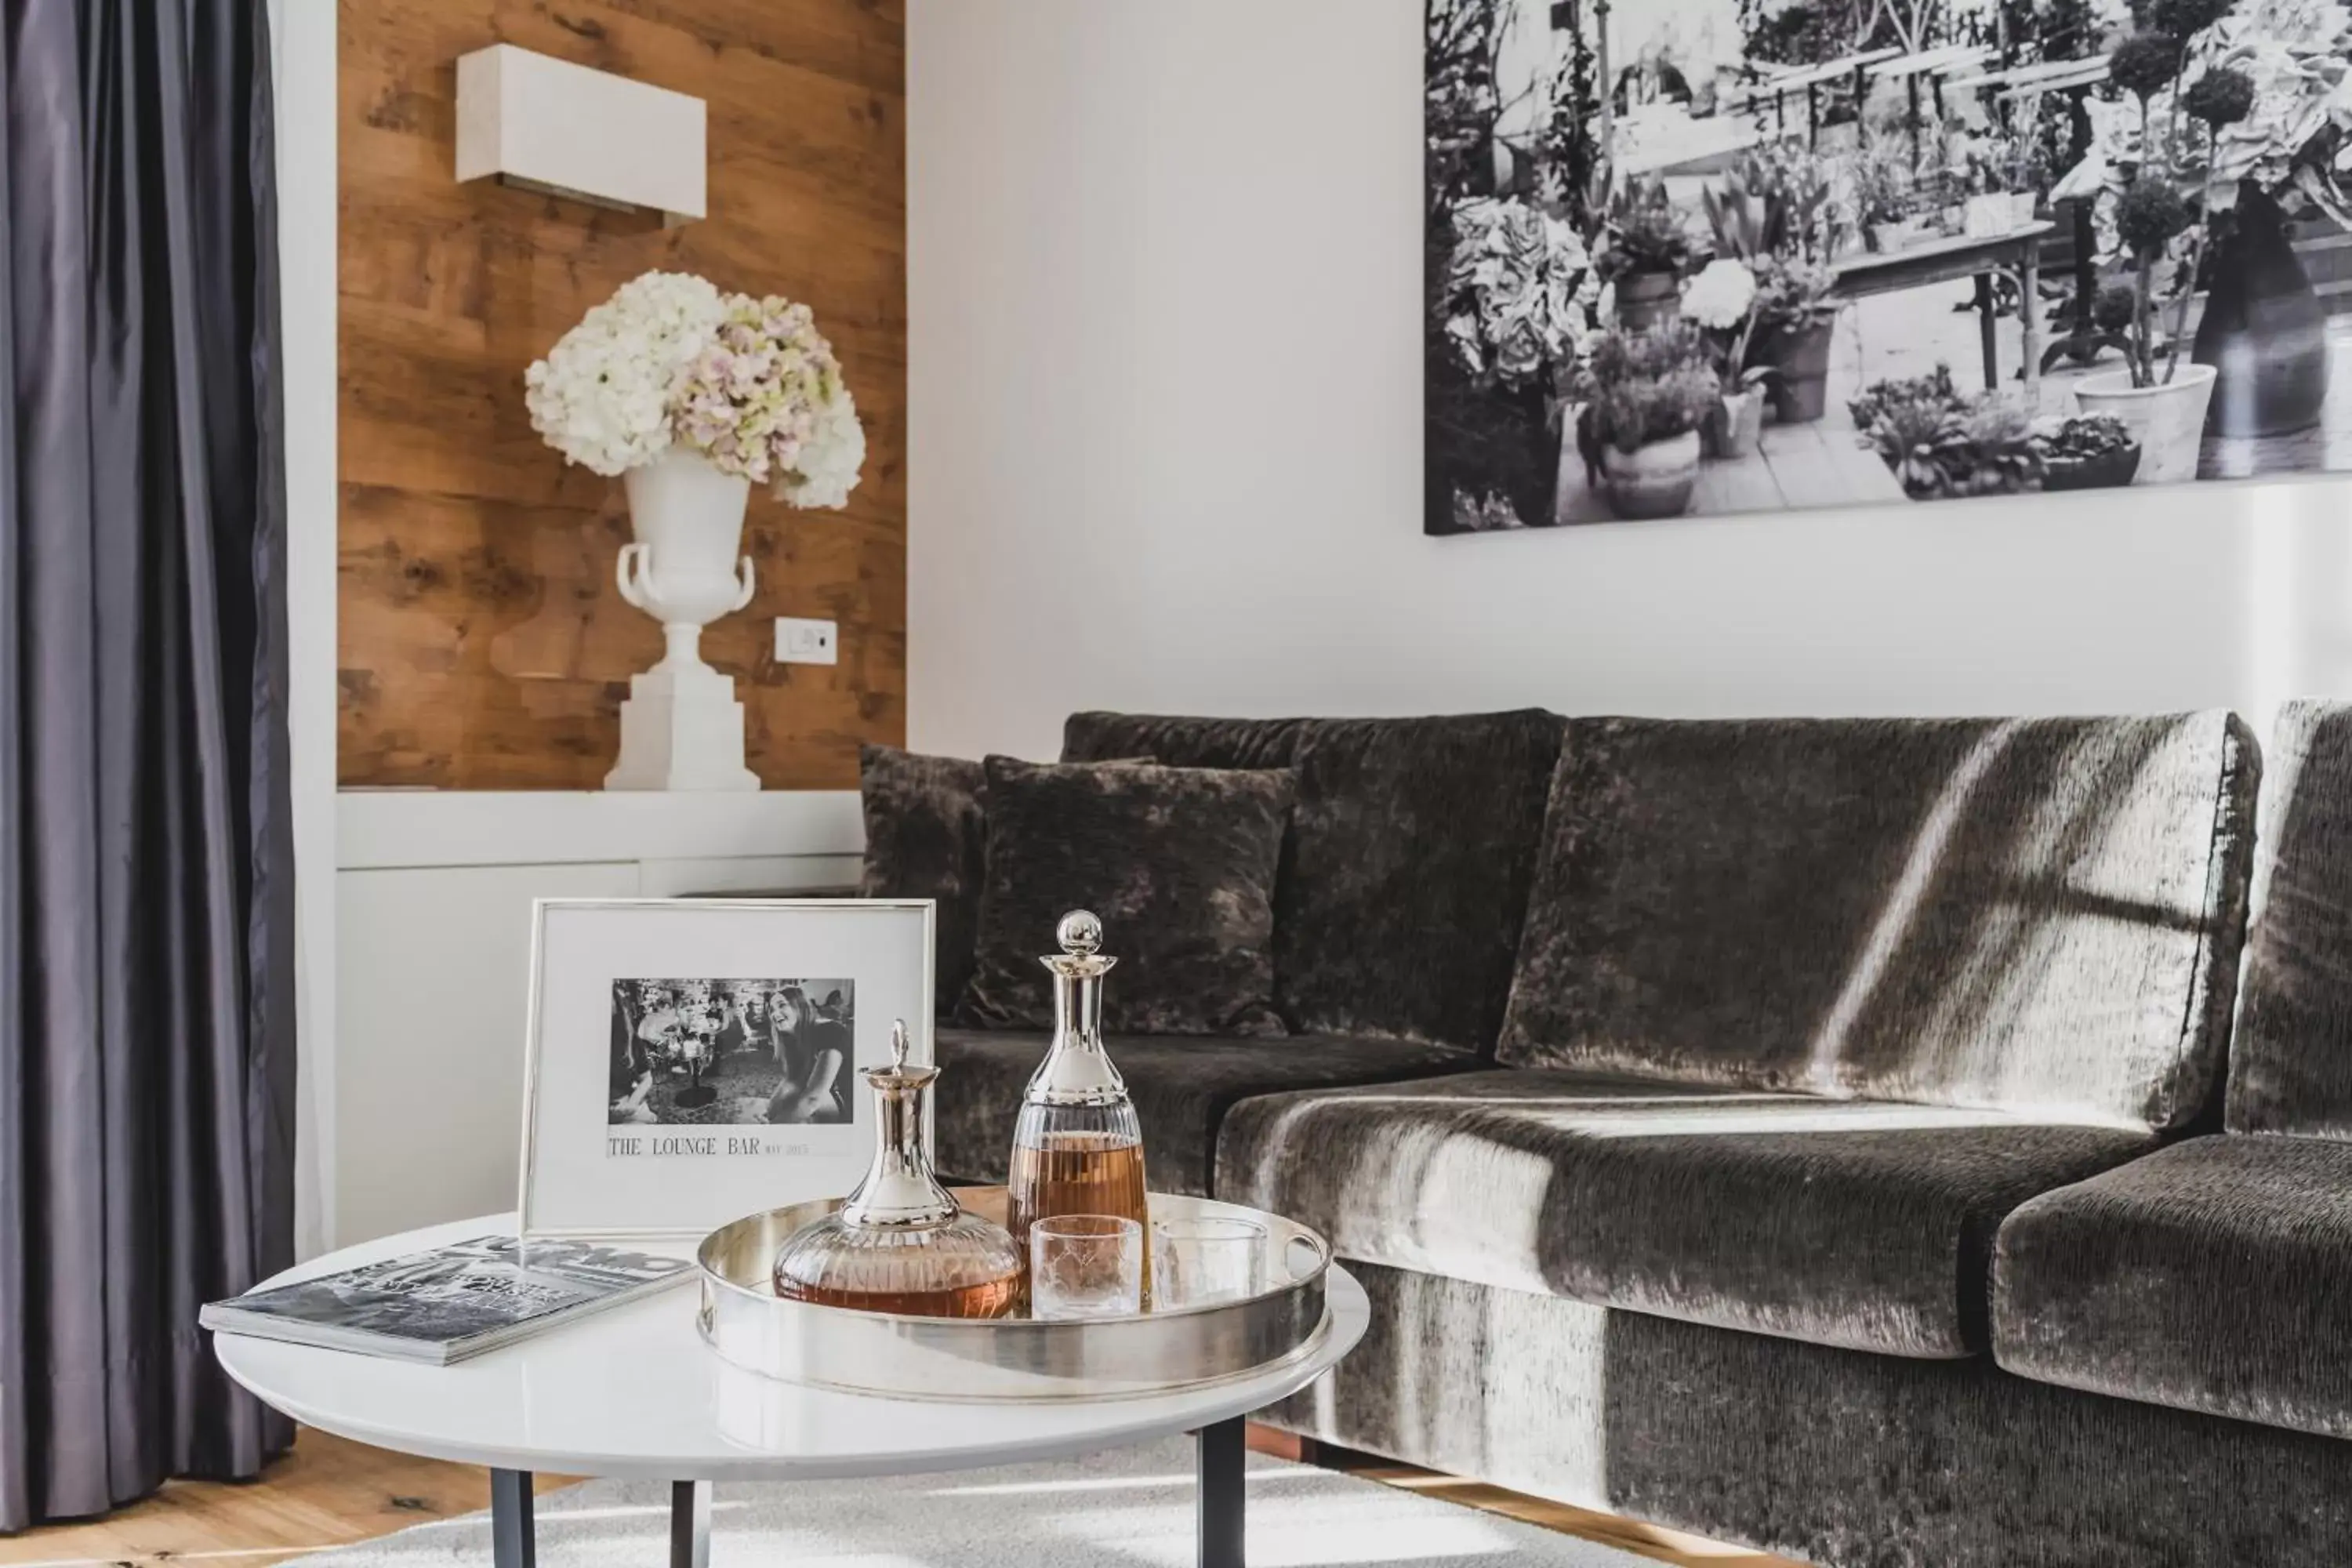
750	384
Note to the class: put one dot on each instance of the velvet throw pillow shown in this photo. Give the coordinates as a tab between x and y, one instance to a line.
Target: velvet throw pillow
1413	849
926	837
1180	864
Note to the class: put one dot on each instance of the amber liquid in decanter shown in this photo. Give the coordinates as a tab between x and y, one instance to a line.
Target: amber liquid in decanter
981	1298
901	1243
1075	1172
1077	1147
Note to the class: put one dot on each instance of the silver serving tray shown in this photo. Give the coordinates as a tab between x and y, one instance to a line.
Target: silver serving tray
1170	1347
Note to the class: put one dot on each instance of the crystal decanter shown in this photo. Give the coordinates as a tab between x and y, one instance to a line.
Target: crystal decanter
901	1243
1077	1148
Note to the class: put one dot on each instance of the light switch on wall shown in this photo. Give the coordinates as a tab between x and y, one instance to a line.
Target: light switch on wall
806	642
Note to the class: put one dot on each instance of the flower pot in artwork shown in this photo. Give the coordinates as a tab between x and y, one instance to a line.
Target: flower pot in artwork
2265	332
1655	482
2109	471
1897	234
1734	426
2167	420
1989	217
681	727
1800	357
1646	298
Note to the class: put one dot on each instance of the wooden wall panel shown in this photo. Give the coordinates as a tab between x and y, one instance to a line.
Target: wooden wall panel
483	645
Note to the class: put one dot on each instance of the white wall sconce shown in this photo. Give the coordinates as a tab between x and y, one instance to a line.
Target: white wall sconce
550	126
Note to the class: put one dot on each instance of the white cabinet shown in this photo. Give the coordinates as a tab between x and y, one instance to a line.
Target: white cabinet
433	900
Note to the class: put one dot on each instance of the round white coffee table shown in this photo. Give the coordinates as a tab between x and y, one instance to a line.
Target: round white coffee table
634	1394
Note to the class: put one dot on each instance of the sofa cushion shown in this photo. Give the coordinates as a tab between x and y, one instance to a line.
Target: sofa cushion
1182	1088
2215	1275
1411	853
2040	914
926	837
1840	1222
1178	862
2291	1059
1182	742
1413	849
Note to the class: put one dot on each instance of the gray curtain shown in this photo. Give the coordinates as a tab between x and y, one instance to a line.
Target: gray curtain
146	871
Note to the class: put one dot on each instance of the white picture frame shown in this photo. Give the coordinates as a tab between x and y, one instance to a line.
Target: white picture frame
675	1076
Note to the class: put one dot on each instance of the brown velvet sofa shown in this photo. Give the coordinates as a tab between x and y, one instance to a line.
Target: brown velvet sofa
1805	1133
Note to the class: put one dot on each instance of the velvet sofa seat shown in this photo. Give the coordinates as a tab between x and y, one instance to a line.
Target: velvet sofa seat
1864	1225
1182	1087
2215	1275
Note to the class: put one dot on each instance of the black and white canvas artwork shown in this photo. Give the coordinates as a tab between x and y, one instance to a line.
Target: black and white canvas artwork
1707	257
731	1054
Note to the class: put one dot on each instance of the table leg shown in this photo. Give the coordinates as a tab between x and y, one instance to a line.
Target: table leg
689	1525
2028	312
511	1534
1224	1449
1986	318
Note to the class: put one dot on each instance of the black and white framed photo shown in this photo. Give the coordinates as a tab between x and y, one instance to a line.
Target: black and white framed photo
692	1061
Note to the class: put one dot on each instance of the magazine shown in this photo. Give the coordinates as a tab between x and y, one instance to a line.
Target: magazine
453	1302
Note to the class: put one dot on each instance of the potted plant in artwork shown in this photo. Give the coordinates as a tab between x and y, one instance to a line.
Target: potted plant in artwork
1645	395
1796	318
1775	214
1941	445
1999	171
1514	312
1777	199
1884	197
1721	303
693	397
1648	251
2238	111
2092	451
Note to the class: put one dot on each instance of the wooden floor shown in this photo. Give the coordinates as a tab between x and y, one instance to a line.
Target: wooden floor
332	1492
327	1492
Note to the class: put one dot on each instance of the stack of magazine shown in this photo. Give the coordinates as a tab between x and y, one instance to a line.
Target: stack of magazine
450	1303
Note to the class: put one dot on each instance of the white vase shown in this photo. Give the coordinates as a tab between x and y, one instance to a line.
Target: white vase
681	727
2167	420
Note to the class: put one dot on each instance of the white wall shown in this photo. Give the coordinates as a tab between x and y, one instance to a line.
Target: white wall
1165	383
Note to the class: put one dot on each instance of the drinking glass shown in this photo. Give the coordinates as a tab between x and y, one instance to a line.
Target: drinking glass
1197	1258
1085	1266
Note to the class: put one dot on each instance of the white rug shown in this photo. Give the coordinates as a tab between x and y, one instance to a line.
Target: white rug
1130	1507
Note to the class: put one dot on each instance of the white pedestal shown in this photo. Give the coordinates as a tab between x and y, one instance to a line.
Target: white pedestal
681	730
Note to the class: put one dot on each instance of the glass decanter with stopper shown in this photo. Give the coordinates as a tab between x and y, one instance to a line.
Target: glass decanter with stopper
901	1243
1077	1147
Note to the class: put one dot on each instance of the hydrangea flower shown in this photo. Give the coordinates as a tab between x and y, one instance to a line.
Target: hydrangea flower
602	396
766	400
1719	298
749	383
